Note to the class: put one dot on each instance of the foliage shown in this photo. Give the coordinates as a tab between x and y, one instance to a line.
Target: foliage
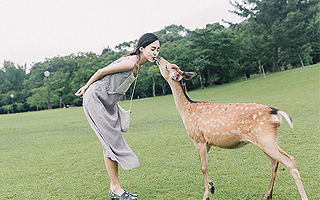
275	33
283	24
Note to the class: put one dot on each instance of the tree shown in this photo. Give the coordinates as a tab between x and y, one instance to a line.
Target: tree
38	98
251	47
217	46
153	71
13	76
282	23
315	39
172	33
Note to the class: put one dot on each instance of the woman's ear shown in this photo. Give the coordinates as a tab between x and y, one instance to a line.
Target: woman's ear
188	75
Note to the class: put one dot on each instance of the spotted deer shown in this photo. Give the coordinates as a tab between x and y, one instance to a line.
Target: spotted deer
230	126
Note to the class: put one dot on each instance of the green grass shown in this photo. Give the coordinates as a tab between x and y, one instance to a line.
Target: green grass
55	154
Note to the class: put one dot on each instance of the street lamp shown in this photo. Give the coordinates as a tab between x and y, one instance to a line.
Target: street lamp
47	74
11	95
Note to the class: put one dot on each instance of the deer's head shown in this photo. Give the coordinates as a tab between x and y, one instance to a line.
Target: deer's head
172	71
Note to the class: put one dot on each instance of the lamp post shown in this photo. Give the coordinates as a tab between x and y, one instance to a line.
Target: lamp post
47	74
11	95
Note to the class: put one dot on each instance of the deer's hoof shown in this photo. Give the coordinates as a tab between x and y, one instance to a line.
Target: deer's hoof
211	187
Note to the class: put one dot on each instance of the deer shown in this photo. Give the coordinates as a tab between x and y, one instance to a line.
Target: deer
230	126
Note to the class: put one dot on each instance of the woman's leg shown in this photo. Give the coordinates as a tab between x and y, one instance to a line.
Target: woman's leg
112	168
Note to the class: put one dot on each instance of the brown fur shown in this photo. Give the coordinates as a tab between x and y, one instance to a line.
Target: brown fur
229	126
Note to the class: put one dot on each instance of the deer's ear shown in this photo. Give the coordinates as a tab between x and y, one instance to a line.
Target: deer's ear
188	75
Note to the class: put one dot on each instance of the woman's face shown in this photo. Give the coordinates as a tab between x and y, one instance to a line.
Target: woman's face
151	51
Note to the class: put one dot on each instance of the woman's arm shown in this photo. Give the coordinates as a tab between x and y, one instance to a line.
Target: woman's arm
122	66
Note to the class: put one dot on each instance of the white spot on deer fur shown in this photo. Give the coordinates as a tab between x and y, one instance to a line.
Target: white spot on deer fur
199	119
264	118
254	117
222	124
211	119
227	124
193	113
261	123
232	122
260	113
218	125
237	108
209	111
259	128
246	108
236	131
213	125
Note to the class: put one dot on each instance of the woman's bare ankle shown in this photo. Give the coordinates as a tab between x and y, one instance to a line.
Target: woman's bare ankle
117	190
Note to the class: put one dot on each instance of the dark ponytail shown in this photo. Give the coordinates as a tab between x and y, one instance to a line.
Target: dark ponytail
144	41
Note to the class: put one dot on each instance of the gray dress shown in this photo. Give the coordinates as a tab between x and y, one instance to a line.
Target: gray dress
99	104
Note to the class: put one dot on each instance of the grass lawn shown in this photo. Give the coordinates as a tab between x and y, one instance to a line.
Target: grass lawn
55	154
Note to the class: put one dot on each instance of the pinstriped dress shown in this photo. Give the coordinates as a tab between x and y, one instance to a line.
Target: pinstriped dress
99	104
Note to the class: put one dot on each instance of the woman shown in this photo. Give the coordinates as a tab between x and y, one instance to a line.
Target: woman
100	95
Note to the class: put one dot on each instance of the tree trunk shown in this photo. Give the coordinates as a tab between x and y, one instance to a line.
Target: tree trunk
162	84
301	60
275	67
153	87
201	82
209	76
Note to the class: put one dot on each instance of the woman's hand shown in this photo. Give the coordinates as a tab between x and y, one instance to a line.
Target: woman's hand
81	91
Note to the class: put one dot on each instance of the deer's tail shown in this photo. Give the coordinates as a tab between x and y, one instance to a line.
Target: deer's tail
286	116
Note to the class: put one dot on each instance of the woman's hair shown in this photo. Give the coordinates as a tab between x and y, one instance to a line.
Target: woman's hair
144	41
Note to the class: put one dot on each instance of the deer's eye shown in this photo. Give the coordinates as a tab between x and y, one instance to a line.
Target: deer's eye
166	66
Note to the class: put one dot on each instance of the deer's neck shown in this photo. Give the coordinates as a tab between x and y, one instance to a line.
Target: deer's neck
182	101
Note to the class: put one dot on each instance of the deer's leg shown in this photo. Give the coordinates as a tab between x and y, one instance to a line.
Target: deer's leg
274	151
202	151
274	168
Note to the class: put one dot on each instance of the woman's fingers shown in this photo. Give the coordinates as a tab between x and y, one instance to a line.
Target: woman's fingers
79	93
